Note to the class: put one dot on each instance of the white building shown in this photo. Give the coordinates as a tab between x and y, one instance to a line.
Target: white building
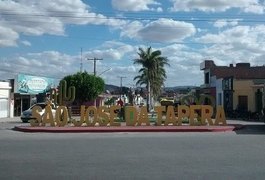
6	103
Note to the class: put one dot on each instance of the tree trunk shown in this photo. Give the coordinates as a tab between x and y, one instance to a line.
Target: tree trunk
148	96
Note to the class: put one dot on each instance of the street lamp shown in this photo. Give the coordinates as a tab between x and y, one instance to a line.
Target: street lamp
104	71
121	77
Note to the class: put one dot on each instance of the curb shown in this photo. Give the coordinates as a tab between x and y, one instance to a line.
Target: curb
128	129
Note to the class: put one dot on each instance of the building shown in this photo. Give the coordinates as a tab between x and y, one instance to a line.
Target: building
6	103
28	89
235	87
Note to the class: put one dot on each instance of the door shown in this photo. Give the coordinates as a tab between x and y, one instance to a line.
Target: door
258	103
243	103
25	103
228	101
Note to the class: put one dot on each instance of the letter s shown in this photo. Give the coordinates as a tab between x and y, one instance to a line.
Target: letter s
36	115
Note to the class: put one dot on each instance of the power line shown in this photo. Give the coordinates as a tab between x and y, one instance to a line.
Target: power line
134	17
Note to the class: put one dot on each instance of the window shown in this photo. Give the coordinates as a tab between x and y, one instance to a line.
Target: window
207	78
228	83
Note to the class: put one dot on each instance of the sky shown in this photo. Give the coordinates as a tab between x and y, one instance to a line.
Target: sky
55	38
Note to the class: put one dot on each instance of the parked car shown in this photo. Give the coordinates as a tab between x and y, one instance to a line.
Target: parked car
27	114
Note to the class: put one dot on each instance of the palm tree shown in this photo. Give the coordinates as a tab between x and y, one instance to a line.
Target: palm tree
152	73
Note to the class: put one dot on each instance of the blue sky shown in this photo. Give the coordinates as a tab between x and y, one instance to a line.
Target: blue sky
45	38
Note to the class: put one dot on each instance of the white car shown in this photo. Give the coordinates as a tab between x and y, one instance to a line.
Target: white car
27	114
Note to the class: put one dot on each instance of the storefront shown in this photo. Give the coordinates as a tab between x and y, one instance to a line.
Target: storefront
30	89
5	101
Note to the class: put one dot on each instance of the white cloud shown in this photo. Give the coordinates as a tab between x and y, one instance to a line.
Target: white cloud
57	65
43	67
184	65
131	29
225	22
182	75
255	8
260	59
184	60
238	44
239	34
135	5
159	9
112	76
173	49
47	63
53	58
161	30
26	43
36	18
8	37
217	5
110	50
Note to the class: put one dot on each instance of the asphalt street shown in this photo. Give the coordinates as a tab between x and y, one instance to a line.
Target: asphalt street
221	155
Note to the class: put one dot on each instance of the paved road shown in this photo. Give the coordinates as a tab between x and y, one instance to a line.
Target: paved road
229	155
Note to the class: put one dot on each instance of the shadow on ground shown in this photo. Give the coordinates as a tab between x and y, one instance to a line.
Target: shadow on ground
252	129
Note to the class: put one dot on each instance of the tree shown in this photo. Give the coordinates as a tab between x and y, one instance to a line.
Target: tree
87	86
152	73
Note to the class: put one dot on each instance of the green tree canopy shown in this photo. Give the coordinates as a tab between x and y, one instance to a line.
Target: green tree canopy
87	86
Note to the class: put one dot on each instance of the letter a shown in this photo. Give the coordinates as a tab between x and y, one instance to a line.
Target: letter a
220	116
47	116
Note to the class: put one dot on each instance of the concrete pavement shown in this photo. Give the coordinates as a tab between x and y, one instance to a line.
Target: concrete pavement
193	155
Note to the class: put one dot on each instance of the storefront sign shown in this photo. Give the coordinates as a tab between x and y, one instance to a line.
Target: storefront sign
27	84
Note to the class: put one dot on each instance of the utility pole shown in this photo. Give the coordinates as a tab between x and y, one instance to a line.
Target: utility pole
121	77
95	61
81	61
263	108
95	72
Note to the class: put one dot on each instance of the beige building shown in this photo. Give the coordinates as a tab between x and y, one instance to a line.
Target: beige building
240	87
245	95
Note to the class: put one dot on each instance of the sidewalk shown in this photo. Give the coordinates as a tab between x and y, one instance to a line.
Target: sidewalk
13	119
244	122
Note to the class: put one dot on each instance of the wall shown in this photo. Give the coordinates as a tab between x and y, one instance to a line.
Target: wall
5	99
213	81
